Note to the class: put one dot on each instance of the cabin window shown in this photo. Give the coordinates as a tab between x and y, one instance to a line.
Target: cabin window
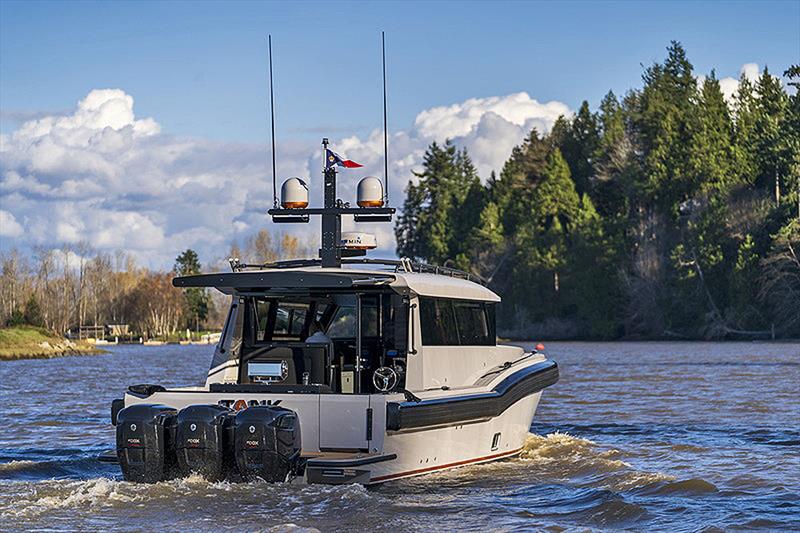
448	322
290	319
343	325
472	323
438	322
262	316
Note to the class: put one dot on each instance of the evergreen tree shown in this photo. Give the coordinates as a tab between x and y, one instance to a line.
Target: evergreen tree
791	135
745	113
32	315
579	145
773	160
441	209
711	151
197	299
665	126
543	240
520	175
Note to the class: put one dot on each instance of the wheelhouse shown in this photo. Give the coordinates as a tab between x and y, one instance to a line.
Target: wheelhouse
332	331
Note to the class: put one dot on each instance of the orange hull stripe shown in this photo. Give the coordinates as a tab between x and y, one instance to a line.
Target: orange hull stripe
450	465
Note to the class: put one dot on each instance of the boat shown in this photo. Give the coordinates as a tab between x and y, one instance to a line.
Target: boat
338	369
408	379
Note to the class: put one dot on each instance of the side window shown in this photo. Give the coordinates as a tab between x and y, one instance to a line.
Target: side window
438	322
473	324
447	322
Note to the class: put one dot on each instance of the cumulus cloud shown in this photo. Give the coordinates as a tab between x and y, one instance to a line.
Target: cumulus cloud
9	227
101	175
729	85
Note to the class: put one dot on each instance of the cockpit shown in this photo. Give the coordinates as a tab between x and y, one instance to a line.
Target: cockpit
335	341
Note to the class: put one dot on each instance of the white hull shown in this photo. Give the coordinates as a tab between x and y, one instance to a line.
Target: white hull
346	432
433	450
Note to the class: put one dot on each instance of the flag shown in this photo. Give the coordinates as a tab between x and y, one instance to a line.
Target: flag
332	158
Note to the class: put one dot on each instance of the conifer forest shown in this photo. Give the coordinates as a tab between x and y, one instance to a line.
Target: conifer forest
667	212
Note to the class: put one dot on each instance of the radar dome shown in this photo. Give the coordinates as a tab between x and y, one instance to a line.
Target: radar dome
354	240
370	192
294	194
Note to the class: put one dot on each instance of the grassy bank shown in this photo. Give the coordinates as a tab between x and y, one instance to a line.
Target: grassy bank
27	342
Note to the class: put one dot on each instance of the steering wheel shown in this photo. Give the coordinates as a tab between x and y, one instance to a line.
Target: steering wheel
384	378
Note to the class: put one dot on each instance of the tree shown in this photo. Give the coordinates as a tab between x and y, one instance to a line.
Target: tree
197	300
780	283
791	134
665	126
579	146
711	154
32	315
773	158
520	175
543	240
441	209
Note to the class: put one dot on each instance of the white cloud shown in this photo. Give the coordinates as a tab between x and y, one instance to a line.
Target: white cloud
729	85
458	120
9	227
100	175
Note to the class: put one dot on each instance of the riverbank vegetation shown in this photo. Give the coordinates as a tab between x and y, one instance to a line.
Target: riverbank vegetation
27	342
670	212
62	290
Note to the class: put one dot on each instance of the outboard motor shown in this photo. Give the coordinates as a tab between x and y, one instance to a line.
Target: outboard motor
145	442
202	439
267	442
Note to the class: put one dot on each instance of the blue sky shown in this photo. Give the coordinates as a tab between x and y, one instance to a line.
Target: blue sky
199	68
144	126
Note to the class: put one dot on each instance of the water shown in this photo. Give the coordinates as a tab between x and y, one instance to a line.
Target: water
639	436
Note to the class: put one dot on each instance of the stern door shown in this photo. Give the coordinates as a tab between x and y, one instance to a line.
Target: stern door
343	422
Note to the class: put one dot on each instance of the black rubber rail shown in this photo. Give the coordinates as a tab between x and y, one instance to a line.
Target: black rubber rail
454	410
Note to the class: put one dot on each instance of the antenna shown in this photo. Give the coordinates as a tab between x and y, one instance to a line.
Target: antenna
385	126
272	120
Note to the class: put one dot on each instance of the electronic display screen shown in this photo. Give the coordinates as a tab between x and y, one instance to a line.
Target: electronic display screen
265	369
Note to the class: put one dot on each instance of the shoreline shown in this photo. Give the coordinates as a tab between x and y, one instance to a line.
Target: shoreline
27	342
50	351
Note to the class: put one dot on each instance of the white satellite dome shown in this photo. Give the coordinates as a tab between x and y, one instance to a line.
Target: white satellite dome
370	192
355	240
294	194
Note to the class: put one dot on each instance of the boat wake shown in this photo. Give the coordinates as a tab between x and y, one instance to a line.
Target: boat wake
27	505
562	457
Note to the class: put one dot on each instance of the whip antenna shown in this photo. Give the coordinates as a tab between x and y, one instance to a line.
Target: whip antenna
385	127
272	120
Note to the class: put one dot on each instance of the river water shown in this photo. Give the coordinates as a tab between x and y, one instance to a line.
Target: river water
638	436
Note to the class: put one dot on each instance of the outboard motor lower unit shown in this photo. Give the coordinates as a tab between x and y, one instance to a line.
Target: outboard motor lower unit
267	442
202	440
145	442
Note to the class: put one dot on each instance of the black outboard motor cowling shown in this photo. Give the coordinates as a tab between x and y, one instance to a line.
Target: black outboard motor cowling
267	442
202	441
145	442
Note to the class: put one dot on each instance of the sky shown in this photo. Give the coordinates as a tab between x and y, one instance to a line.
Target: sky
144	126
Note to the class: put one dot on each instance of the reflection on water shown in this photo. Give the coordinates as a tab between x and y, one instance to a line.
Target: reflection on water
668	436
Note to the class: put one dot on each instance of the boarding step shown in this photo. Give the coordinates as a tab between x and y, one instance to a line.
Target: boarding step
343	468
